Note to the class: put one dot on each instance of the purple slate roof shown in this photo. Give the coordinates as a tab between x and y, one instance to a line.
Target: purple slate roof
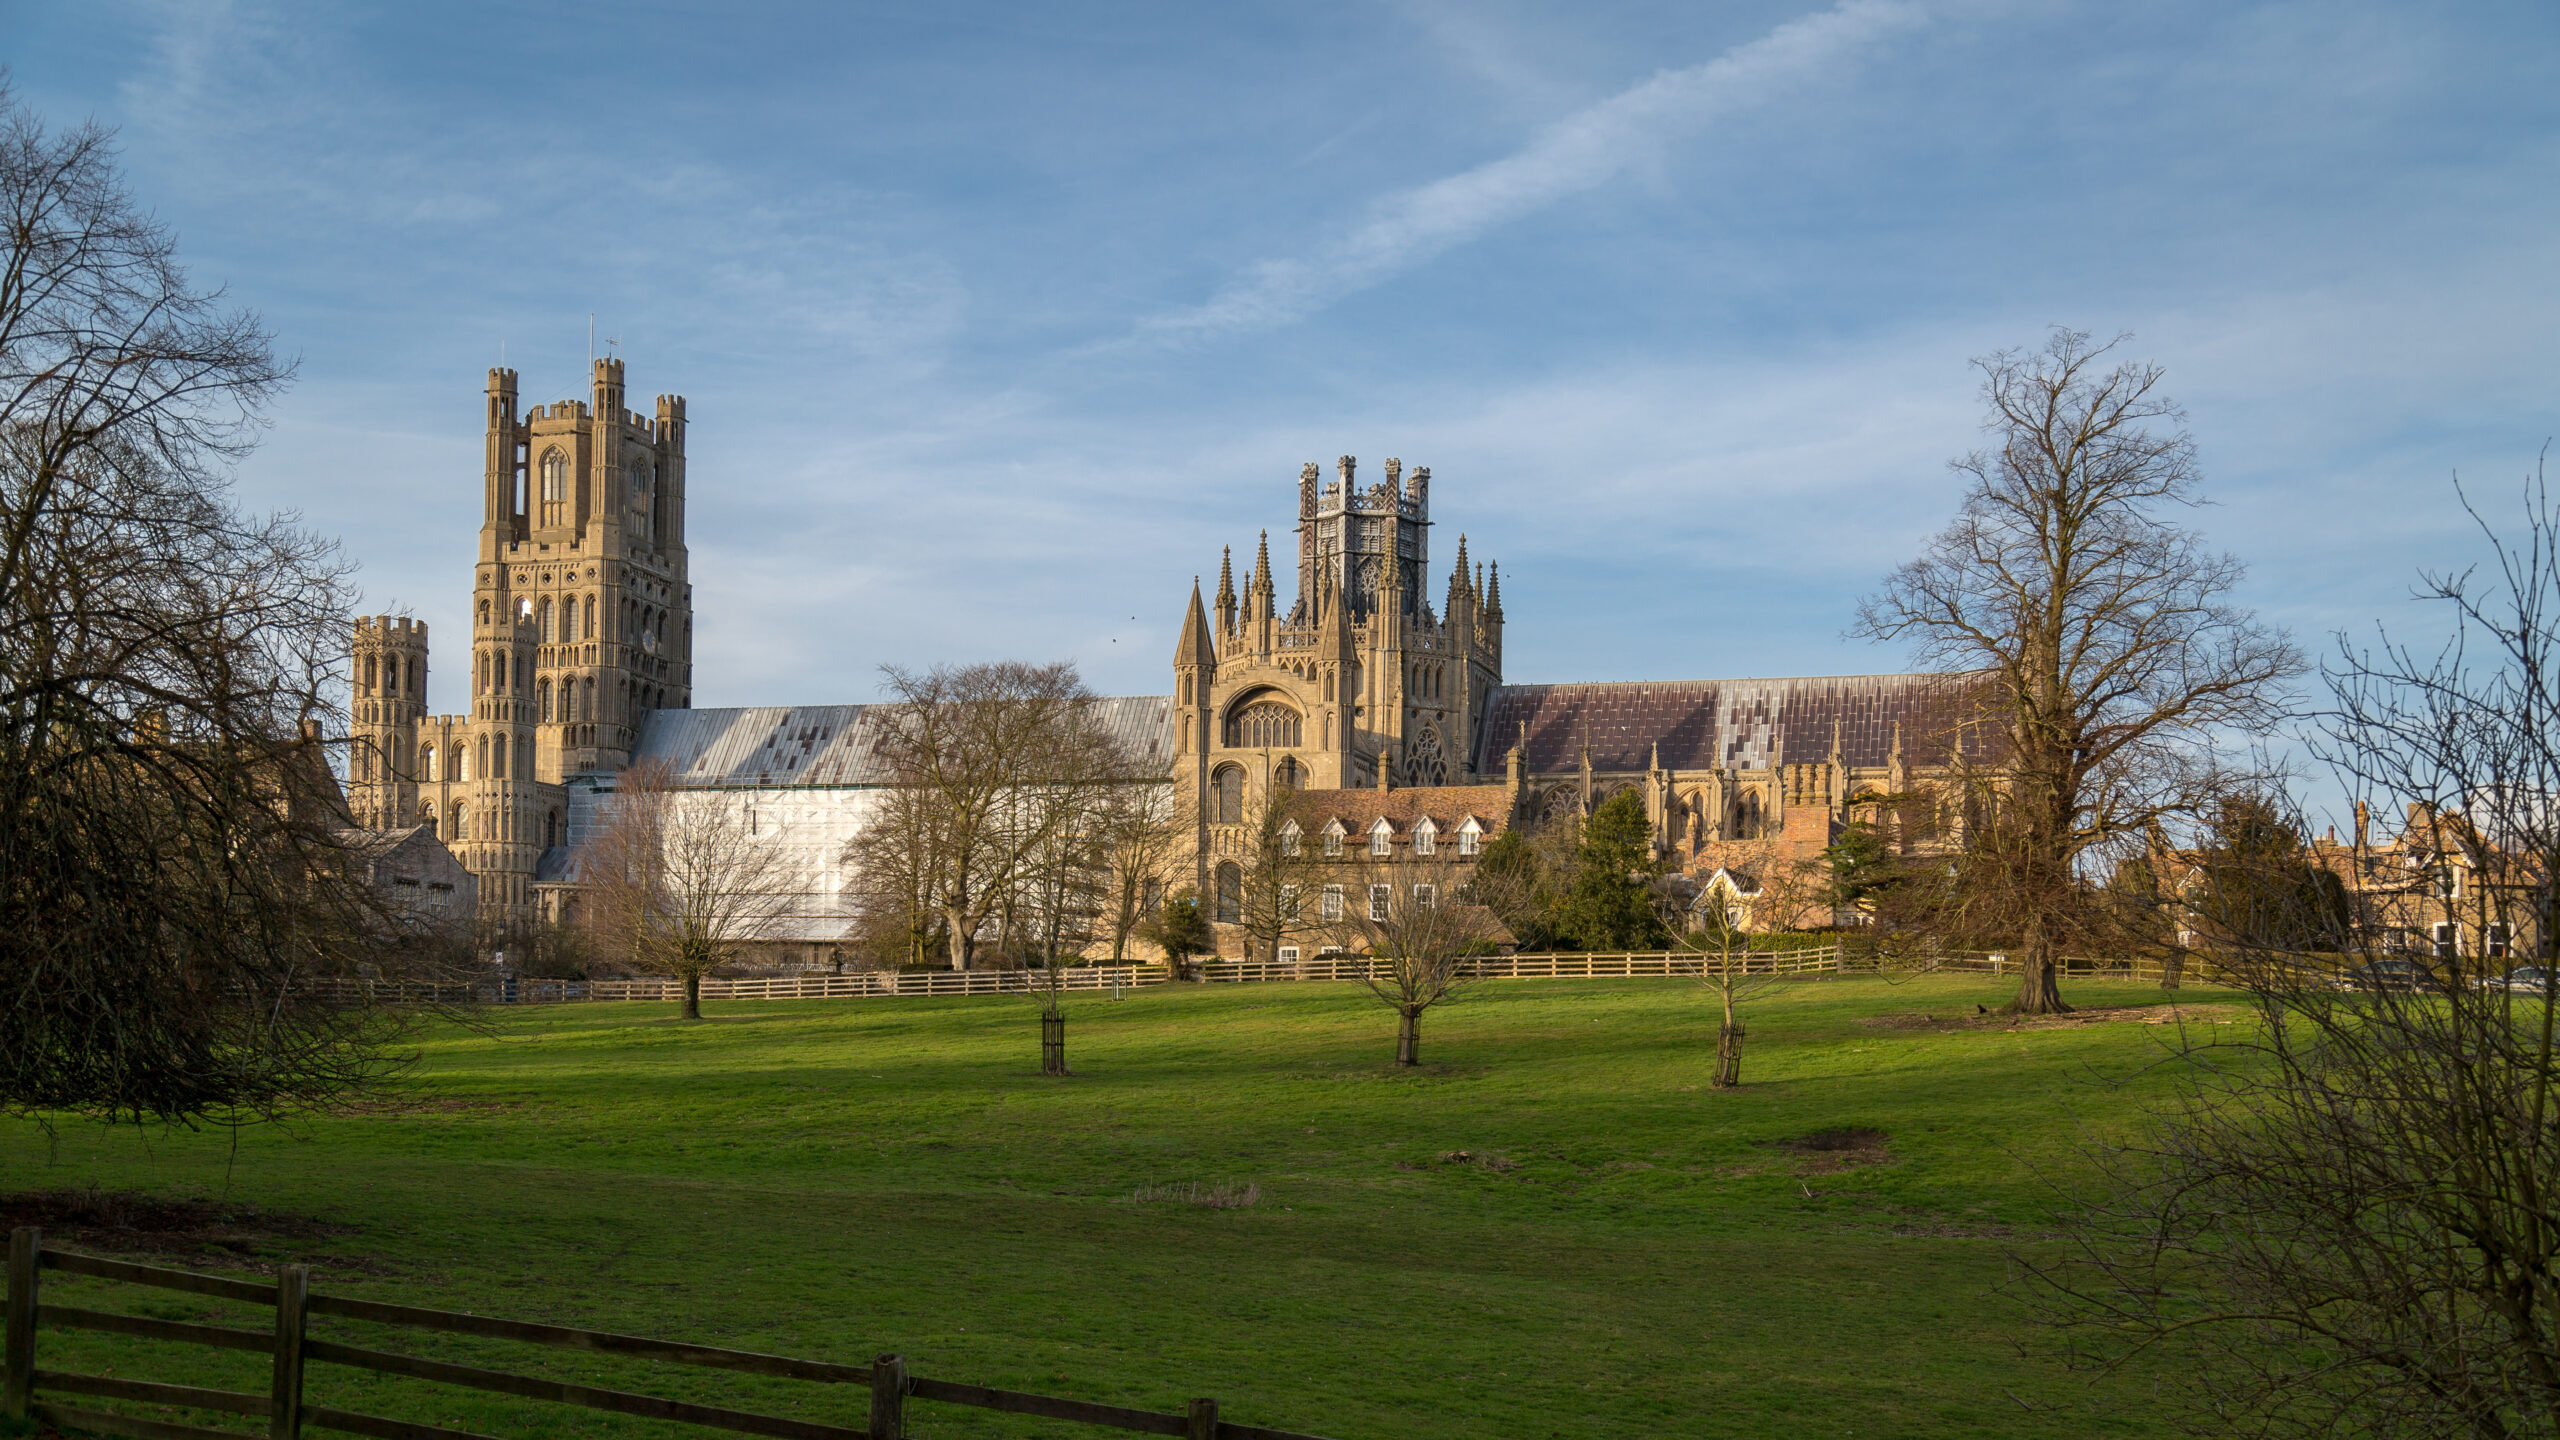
1704	724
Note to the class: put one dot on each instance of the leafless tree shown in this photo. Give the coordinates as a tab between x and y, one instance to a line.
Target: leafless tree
172	866
893	861
1278	873
2111	659
1066	871
2350	1224
1715	925
1142	830
1414	923
681	882
970	743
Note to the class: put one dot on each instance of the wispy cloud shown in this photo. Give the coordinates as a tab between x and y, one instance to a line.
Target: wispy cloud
1580	152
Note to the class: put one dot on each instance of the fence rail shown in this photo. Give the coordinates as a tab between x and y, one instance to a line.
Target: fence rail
1831	959
23	1383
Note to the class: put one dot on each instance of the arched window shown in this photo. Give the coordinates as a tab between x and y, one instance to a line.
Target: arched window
555	487
1290	775
480	756
1746	818
1328	686
643	504
461	823
1230	785
549	629
551	830
367	682
412	691
1263	722
587	699
542	692
1230	893
426	762
427	816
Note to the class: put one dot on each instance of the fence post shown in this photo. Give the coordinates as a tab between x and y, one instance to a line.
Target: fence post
293	1287
18	1377
1204	1420
888	1398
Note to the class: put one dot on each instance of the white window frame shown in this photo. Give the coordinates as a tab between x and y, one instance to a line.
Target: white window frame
1470	837
1289	838
1331	904
1381	903
1289	901
1288	954
1426	897
1423	836
1333	837
2444	940
1382	839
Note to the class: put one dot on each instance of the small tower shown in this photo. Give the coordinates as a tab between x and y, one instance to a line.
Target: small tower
390	692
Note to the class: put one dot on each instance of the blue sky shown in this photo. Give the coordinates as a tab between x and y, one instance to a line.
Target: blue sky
997	321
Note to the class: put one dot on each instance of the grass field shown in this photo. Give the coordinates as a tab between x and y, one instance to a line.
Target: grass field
1623	1252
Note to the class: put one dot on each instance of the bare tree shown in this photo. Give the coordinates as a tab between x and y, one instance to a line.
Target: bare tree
681	882
1278	873
2111	658
2350	1223
1414	923
894	861
1142	831
172	868
1714	923
1066	868
970	742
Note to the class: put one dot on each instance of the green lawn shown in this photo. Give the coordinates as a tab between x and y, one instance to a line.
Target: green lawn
1627	1252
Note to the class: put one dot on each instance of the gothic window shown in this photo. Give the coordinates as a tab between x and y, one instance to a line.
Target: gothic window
1230	893
368	673
498	759
1746	818
591	617
542	689
480	752
1563	803
484	612
524	757
1265	722
462	767
427	762
1328	687
642	505
555	487
1230	785
1423	762
1291	775
545	631
427	816
461	824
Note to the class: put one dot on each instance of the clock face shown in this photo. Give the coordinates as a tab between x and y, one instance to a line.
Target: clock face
649	641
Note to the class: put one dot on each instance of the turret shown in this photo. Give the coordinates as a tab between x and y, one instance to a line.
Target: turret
388	700
1226	591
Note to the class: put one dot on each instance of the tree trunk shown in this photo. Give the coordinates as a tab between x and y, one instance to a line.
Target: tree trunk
2173	970
1409	1035
2040	984
692	995
1728	1044
1053	1044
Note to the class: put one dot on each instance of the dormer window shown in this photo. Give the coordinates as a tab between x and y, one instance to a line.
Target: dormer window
1289	837
1470	837
1424	834
1382	838
1333	837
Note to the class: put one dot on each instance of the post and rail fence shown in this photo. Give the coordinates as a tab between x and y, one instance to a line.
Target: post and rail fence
1828	959
287	1410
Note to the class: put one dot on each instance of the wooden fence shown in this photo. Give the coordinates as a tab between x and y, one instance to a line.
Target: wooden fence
1831	959
287	1409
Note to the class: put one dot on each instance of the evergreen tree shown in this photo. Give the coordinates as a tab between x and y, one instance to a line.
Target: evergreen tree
1182	932
1861	866
1609	905
1513	878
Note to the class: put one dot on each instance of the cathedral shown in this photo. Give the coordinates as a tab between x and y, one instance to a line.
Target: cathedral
580	664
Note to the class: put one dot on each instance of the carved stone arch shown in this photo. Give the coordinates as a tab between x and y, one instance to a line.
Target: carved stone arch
1265	717
1425	763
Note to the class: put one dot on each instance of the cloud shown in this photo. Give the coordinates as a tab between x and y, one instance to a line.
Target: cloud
1580	152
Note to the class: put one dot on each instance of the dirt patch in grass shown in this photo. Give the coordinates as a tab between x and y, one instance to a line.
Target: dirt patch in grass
1827	1152
238	1236
1985	1018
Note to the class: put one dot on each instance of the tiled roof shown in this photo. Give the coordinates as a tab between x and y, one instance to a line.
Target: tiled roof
1447	805
828	745
1708	724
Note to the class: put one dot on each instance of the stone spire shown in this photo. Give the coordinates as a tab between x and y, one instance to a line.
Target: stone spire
1493	595
1226	590
1259	589
1458	590
1194	647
